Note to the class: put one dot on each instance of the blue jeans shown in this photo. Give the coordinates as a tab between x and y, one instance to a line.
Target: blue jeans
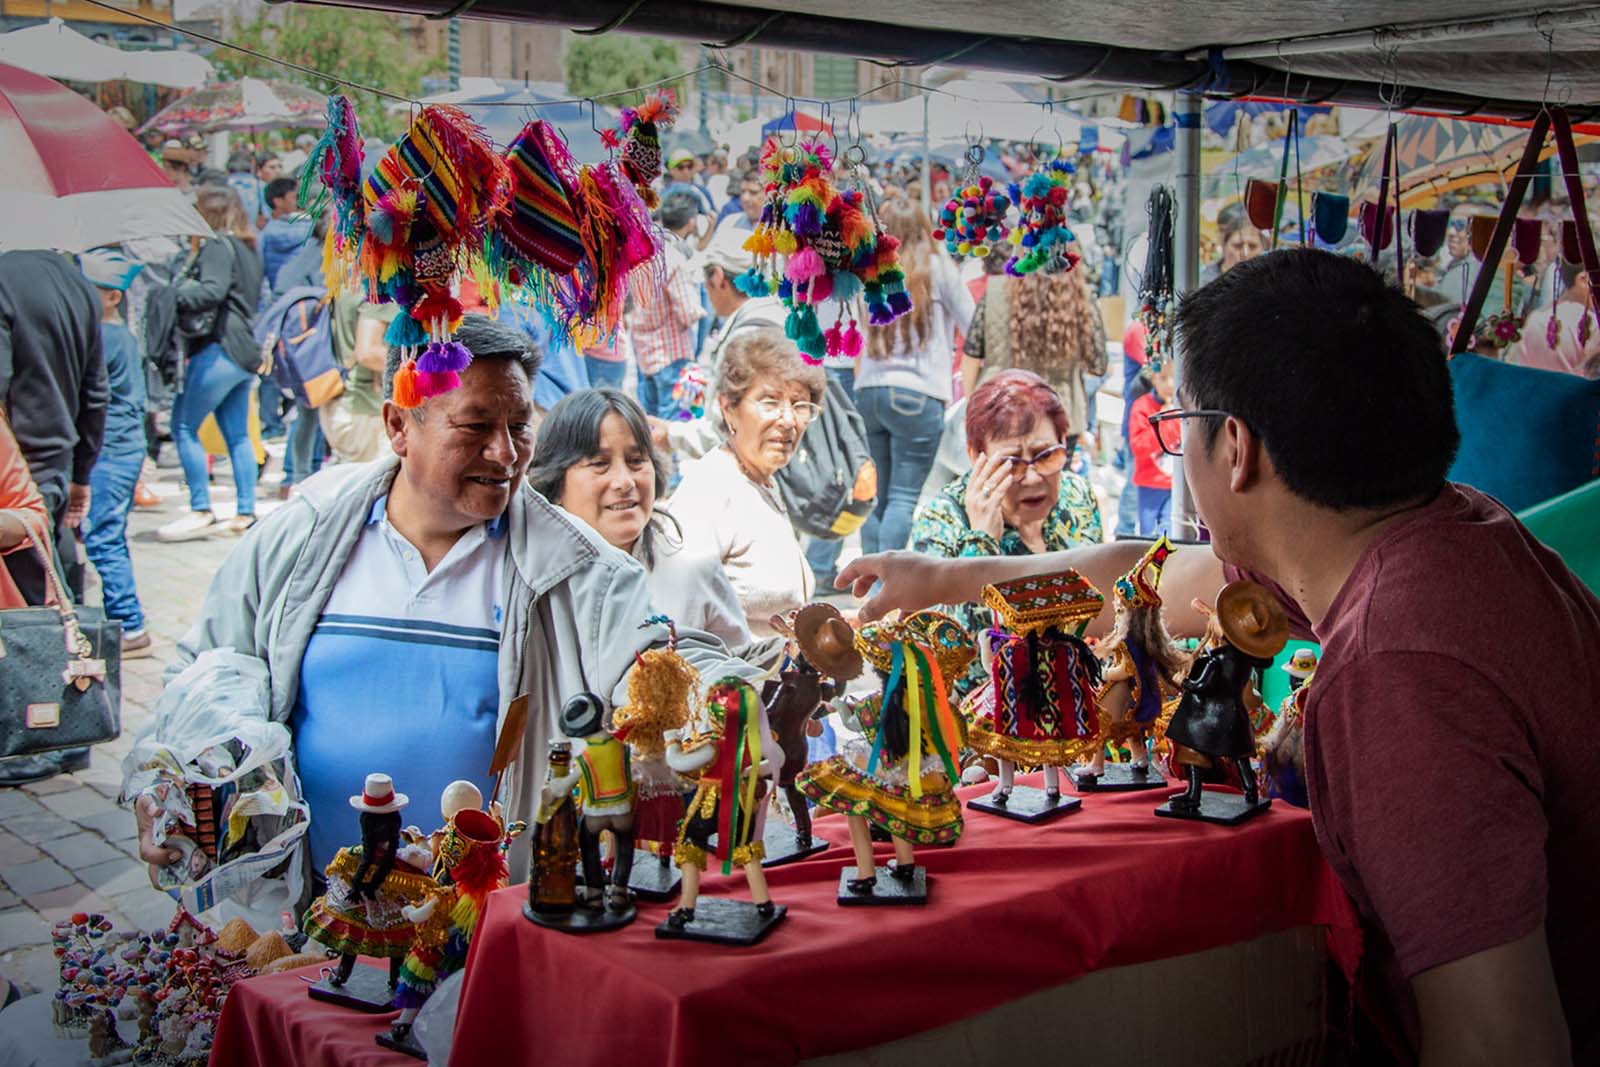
307	447
215	384
655	390
105	534
903	429
824	555
605	373
269	405
1155	511
1128	502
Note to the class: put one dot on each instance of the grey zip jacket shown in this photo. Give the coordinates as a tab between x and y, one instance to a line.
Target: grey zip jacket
573	609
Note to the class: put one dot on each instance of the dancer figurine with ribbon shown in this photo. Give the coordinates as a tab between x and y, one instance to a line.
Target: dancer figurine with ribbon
900	777
730	764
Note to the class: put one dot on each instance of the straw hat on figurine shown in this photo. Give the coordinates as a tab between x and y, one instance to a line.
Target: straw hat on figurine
1252	620
1302	663
827	641
378	796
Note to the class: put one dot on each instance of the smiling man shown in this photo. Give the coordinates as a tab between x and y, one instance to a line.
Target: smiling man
1449	730
401	606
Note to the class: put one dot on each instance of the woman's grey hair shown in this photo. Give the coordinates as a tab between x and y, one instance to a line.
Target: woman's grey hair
570	434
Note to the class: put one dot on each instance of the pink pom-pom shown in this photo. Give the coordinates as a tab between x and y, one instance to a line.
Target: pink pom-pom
436	383
803	266
850	342
834	340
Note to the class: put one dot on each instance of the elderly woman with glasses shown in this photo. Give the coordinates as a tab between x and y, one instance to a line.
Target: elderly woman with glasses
1018	499
728	503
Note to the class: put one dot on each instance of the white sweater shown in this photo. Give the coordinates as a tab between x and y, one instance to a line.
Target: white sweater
728	518
927	369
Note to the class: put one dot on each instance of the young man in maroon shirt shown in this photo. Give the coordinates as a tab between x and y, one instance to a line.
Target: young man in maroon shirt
1453	770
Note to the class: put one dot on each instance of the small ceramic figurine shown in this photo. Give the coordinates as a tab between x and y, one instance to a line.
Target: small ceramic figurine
1212	720
661	689
362	913
822	647
553	873
472	864
1141	668
1283	758
901	780
605	797
1042	686
730	766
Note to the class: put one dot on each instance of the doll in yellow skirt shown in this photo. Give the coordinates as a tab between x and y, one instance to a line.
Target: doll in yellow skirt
904	781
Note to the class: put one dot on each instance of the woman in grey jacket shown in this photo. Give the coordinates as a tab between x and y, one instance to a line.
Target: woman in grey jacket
222	281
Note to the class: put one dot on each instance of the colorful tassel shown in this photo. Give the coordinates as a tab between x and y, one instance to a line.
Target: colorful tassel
444	357
803	266
835	340
407	392
405	332
851	342
435	383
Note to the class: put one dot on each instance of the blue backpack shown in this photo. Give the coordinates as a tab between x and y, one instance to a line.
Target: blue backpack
296	338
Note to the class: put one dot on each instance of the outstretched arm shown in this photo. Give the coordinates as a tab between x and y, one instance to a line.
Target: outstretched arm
912	581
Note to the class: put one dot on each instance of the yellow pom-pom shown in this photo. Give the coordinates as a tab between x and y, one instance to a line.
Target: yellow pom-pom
1016	236
784	244
981	251
964	248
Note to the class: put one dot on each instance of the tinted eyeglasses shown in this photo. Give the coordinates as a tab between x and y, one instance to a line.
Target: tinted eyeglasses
1050	461
1168	426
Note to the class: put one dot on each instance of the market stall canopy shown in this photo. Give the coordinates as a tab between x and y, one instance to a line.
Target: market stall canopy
73	178
1447	56
1266	161
246	104
56	50
1439	156
503	109
965	110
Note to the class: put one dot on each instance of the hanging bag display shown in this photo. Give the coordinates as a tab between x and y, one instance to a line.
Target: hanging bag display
60	671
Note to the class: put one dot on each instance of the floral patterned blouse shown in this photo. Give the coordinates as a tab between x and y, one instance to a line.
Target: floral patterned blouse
941	529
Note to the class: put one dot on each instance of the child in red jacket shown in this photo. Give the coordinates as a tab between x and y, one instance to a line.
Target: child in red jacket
1152	468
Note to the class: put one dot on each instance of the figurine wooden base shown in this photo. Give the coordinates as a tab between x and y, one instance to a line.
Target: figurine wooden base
888	891
367	990
582	920
1027	804
724	921
1224	809
407	1045
783	845
650	880
1117	778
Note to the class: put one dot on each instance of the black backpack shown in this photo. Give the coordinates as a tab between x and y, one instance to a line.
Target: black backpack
830	485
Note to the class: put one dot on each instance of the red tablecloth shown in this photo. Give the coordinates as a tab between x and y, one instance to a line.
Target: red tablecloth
1012	909
270	1022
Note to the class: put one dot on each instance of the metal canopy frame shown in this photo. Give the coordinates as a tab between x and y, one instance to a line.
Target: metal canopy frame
1214	74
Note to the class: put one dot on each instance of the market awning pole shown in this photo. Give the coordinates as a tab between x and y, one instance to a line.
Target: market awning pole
927	169
1186	267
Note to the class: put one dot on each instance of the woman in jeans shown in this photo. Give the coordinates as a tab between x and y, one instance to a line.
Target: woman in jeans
903	380
224	277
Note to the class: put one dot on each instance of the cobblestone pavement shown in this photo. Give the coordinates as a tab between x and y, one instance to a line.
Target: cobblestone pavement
65	845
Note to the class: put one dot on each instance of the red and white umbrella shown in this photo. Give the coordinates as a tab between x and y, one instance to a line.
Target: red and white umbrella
71	178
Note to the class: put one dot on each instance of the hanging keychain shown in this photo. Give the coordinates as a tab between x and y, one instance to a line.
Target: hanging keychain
974	218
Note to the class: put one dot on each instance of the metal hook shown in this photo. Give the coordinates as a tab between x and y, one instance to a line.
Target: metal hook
852	128
793	115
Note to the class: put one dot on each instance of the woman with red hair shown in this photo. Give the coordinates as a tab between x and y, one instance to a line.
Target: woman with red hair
1019	499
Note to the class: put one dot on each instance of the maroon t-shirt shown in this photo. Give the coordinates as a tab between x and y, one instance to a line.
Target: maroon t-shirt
1451	757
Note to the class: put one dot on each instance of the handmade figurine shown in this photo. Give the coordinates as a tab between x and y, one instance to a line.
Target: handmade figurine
472	864
822	645
902	779
553	874
1042	686
362	913
661	688
1212	720
1283	757
730	766
605	795
1141	666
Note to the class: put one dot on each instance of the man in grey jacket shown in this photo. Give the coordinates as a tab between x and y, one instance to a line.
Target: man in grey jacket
402	607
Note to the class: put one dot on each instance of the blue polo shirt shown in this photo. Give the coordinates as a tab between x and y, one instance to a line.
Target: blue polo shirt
400	677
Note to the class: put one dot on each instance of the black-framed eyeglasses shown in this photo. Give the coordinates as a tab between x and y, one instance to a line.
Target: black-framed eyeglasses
1168	426
1052	460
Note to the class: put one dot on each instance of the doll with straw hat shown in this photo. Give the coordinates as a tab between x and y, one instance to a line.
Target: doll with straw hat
1213	717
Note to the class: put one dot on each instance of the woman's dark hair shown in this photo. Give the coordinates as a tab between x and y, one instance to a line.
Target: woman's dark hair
570	434
1340	376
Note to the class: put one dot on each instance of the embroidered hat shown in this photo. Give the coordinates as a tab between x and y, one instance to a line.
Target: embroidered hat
1043	601
1139	588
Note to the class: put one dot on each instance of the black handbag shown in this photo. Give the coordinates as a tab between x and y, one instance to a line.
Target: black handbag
199	328
60	673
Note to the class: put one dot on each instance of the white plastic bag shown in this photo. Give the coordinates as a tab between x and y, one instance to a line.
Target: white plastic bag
211	727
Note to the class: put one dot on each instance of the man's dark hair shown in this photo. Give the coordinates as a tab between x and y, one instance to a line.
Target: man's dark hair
1340	376
486	339
263	158
241	163
279	187
677	210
